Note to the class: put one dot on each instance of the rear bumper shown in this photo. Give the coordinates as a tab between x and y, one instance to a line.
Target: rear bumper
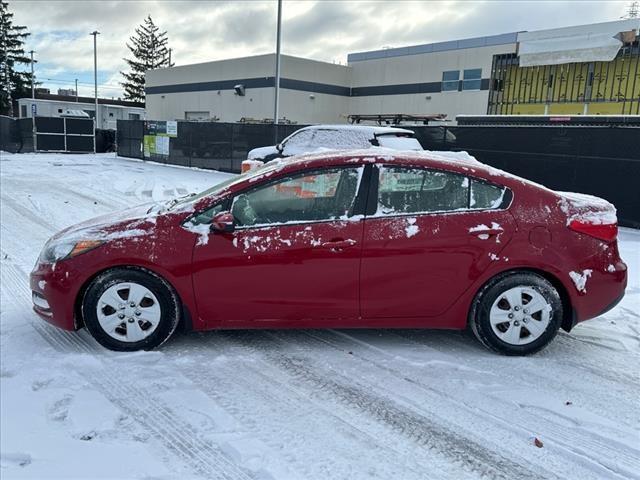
603	291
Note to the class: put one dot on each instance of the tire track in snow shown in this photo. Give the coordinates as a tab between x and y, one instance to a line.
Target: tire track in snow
178	437
261	397
615	376
426	432
616	461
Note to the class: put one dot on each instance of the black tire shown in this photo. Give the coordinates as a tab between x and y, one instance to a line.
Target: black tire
167	299
479	322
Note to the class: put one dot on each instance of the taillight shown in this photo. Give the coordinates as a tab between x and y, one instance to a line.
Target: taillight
607	232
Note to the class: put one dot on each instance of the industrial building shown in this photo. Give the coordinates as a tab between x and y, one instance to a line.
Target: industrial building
589	69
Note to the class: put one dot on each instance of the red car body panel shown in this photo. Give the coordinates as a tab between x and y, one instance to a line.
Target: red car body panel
366	271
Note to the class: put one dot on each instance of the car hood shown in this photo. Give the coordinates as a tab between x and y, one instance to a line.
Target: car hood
136	221
262	152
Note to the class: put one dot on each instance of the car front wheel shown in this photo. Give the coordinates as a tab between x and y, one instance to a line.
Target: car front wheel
127	309
517	313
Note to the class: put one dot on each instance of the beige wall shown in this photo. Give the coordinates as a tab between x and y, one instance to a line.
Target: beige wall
302	107
307	107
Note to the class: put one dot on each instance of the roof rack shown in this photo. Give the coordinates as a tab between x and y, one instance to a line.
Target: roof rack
395	118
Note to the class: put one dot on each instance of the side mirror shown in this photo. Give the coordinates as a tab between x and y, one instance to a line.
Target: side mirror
279	147
222	222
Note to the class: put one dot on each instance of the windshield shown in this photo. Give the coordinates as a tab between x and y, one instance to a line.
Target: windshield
398	142
221	186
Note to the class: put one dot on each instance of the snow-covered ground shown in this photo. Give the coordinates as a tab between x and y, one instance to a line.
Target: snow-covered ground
331	404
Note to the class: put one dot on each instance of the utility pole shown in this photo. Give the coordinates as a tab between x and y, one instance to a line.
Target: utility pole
276	107
95	34
33	88
76	90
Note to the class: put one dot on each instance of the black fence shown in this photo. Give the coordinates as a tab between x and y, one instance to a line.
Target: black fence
601	161
219	146
63	134
16	135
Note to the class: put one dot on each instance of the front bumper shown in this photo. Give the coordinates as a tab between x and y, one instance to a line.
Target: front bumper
54	290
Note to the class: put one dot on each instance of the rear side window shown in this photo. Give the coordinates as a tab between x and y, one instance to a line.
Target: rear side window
419	190
405	190
485	195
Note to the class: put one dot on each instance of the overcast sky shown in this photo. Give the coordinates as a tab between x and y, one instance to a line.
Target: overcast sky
201	31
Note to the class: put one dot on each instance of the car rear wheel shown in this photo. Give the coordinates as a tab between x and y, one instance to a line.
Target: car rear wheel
517	313
127	309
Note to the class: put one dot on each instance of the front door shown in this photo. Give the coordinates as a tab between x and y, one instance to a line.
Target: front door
293	259
433	234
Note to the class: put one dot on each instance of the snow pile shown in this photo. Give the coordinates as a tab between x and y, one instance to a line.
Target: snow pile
580	279
202	230
587	208
412	229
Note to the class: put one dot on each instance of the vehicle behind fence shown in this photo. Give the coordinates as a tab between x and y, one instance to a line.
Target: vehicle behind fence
598	160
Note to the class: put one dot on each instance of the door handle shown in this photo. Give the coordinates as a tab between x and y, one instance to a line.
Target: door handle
338	245
487	232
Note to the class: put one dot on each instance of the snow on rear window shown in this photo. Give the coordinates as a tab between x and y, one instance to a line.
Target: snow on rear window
397	142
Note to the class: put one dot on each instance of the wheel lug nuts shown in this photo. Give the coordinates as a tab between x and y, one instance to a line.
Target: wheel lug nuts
526	310
130	320
132	304
511	315
516	308
121	316
137	312
121	306
525	320
516	323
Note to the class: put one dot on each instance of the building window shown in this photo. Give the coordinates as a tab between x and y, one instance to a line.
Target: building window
472	79
450	80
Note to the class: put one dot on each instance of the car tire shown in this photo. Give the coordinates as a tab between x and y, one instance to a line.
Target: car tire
129	309
516	313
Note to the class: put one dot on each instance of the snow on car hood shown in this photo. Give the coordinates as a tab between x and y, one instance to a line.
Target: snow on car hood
261	152
136	222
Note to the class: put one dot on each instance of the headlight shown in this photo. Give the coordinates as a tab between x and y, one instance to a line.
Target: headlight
61	249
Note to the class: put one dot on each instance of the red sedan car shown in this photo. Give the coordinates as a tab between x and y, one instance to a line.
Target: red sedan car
341	240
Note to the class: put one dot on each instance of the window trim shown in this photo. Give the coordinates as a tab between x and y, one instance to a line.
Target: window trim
372	200
356	214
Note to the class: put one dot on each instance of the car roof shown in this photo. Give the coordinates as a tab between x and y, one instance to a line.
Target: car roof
369	129
457	162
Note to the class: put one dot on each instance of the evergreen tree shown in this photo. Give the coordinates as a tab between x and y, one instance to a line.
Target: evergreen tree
14	84
149	49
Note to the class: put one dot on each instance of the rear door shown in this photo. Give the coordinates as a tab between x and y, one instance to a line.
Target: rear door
433	233
293	259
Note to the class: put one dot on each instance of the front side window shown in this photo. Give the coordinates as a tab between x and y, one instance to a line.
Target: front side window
472	79
450	80
413	190
308	197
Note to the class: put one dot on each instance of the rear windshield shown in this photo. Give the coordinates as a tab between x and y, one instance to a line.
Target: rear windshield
398	141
